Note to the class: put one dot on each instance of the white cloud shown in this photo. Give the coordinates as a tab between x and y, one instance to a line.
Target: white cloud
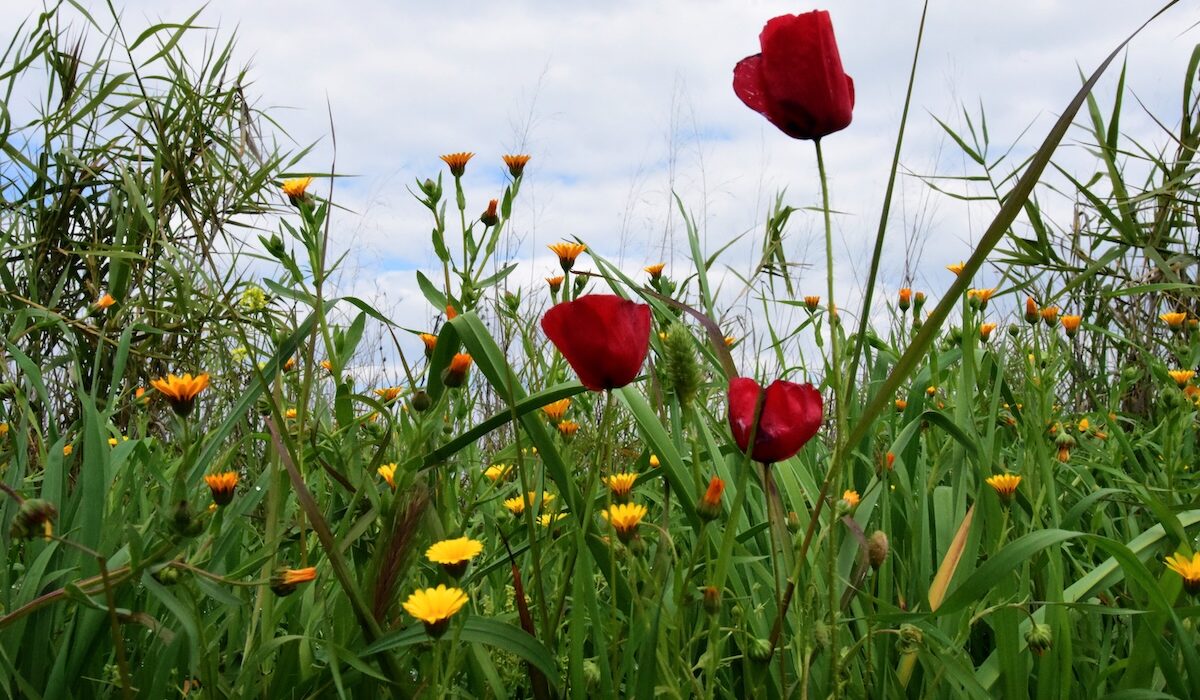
622	102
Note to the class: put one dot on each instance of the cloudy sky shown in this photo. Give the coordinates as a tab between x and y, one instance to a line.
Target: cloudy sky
619	103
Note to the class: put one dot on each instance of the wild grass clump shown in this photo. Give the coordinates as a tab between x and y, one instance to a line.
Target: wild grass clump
200	499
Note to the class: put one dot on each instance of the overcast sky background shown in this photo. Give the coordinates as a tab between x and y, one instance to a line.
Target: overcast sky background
620	103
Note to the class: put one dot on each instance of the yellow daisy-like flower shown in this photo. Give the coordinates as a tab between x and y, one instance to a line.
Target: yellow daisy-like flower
222	486
390	393
567	253
284	581
388	472
625	518
516	164
497	472
67	450
980	297
3	429
1070	324
654	460
985	331
430	341
181	392
621	484
851	497
296	188
327	366
655	270
1174	319
812	302
1005	486
1182	376
113	442
1189	569
455	374
290	414
516	504
105	301
729	341
568	428
901	404
454	555
289	365
956	268
1083	425
457	162
1050	315
550	518
555	283
556	410
435	607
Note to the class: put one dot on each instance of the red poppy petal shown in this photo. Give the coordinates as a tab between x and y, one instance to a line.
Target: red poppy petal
743	399
747	83
603	337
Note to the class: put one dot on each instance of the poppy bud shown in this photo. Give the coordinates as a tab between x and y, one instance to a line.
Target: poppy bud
797	81
455	374
791	415
603	337
877	549
489	216
1039	638
34	516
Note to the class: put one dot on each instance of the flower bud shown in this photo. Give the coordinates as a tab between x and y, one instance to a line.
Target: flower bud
821	634
793	522
759	651
34	516
167	575
911	639
877	549
712	600
420	401
591	672
811	303
183	523
918	302
455	374
489	216
1032	316
709	507
905	299
1039	638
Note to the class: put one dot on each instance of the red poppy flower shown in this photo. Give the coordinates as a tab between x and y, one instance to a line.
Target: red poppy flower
797	82
605	338
791	415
